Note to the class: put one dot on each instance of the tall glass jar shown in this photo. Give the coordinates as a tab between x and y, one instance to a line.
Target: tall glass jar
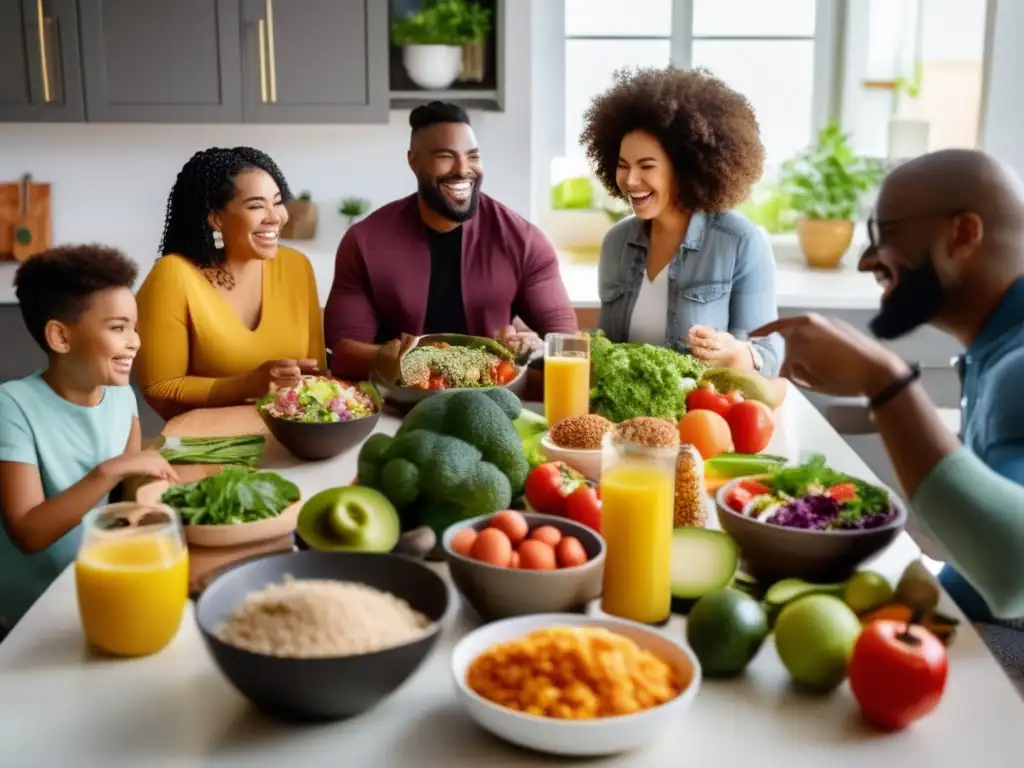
637	495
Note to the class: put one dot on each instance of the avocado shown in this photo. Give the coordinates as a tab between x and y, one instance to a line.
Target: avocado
918	588
726	629
352	518
787	590
703	561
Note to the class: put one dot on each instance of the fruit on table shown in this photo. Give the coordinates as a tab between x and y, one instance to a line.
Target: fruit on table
785	591
726	629
707	432
897	673
707	399
456	455
703	561
732	465
814	637
583	506
750	384
918	587
867	590
939	624
549	485
751	425
544	548
353	517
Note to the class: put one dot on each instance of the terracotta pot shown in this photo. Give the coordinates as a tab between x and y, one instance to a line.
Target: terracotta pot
824	241
301	224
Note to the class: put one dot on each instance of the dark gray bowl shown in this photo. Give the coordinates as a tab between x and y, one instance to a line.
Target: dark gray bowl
387	365
500	593
314	442
773	552
330	688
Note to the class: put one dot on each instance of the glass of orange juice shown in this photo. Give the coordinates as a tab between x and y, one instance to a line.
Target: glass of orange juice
566	376
637	495
131	576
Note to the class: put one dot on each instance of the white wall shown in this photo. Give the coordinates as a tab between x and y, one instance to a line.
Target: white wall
1003	121
110	182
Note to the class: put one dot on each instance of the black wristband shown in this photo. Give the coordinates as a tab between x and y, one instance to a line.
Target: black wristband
893	389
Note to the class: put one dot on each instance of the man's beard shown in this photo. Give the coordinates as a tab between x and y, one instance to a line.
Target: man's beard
430	191
917	298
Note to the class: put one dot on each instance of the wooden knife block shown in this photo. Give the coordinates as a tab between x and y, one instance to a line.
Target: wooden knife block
38	217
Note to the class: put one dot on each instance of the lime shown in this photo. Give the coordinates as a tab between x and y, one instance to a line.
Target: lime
725	629
814	637
867	590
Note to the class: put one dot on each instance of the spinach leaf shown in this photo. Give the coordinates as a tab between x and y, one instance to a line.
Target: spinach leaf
235	495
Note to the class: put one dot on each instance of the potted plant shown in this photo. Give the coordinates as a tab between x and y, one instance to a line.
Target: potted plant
432	39
826	184
352	208
302	217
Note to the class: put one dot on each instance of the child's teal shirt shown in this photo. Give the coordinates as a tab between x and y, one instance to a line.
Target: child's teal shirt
65	441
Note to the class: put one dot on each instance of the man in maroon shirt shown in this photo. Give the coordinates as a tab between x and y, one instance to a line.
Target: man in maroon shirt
445	260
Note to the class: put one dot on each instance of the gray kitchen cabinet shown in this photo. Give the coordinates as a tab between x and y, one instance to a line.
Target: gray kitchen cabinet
161	62
40	73
314	61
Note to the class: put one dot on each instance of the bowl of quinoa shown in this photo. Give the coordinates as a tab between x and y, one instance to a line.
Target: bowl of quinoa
577	441
409	371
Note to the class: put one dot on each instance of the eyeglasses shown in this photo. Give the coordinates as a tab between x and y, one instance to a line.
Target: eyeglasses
875	224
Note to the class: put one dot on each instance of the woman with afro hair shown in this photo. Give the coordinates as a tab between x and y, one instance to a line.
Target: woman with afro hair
685	270
226	312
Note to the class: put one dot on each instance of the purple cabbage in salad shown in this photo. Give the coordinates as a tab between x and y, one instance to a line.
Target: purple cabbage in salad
823	513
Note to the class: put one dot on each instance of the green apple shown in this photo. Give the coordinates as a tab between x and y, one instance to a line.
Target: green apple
352	518
867	590
814	637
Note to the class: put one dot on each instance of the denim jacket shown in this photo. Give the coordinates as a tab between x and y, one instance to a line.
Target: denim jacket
723	276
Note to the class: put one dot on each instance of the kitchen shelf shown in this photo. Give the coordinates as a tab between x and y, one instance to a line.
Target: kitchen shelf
465	97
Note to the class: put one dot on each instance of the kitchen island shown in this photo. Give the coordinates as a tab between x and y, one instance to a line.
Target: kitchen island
60	706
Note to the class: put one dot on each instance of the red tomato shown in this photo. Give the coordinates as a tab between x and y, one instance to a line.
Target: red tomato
503	373
751	425
842	492
704	399
737	498
548	485
897	672
584	506
437	382
754	487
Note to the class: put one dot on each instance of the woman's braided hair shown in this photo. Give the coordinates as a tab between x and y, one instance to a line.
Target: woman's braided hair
207	183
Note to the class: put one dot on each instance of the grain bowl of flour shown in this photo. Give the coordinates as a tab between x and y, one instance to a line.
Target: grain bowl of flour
322	635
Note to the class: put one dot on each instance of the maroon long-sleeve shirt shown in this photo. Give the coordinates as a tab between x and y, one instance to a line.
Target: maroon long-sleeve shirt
382	275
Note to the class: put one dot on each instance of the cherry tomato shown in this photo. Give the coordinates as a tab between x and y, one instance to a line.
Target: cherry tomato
754	487
503	373
897	672
704	399
751	424
584	506
548	486
737	498
437	382
842	492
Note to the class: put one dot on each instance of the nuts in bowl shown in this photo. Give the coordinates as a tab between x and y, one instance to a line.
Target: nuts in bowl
574	685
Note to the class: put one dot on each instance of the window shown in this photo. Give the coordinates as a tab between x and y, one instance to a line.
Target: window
769	51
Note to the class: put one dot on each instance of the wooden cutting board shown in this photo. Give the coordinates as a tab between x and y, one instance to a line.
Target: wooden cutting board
30	213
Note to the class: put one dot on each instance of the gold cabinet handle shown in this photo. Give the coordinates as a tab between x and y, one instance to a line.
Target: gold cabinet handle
41	22
271	63
263	60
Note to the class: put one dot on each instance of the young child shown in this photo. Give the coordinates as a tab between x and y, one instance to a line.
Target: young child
68	433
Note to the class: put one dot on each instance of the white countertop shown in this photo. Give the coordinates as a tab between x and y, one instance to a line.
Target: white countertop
60	707
797	286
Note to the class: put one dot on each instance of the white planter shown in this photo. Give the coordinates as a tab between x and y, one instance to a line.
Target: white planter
433	67
908	138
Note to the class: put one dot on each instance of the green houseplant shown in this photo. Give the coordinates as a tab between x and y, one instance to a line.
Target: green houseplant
352	208
826	185
432	39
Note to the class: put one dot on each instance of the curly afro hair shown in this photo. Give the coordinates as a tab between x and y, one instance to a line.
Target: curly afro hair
707	129
207	183
58	284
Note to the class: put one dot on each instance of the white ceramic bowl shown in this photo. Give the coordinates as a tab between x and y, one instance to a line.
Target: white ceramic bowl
587	463
575	738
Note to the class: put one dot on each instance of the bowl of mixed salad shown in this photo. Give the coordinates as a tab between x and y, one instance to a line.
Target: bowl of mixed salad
808	521
321	416
409	371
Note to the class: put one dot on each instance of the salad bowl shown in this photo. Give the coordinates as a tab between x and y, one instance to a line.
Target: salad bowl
299	417
772	551
386	373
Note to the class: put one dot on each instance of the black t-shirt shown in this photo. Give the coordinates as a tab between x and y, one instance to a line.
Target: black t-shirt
445	311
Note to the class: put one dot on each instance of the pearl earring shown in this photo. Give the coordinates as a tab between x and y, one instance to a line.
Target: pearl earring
218	239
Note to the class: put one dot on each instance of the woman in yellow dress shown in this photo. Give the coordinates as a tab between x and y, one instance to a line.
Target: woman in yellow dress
226	311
